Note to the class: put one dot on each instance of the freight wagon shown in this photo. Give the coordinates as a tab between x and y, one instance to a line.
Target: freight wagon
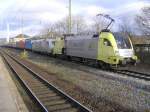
47	45
12	44
20	44
36	45
43	45
58	48
28	44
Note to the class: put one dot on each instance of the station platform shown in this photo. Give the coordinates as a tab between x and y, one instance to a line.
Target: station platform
10	99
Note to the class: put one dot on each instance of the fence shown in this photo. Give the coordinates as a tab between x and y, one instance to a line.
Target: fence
143	52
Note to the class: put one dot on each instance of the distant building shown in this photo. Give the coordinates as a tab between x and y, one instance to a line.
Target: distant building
49	35
3	41
18	38
137	40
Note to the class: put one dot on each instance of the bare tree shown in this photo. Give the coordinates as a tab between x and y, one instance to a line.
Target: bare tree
143	21
79	24
48	31
99	23
126	26
61	27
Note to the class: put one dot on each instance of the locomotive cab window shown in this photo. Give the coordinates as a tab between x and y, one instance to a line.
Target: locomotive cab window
122	41
107	42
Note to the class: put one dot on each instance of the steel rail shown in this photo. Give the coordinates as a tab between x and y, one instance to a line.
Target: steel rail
138	75
25	85
134	74
73	102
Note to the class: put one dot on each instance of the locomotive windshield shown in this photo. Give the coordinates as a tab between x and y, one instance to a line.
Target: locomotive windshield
122	41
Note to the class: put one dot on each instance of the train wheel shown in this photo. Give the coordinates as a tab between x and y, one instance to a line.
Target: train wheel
100	64
103	65
55	55
69	58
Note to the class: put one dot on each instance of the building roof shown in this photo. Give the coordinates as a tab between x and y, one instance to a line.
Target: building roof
21	36
141	40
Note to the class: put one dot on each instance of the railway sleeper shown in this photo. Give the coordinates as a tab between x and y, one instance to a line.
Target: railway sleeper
52	98
38	87
57	102
34	83
29	77
42	92
47	95
60	107
68	110
53	103
42	89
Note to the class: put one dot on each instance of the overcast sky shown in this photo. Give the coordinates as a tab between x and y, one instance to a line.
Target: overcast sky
37	13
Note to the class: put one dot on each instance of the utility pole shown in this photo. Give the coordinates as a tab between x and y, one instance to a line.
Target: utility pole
41	31
8	33
69	28
21	23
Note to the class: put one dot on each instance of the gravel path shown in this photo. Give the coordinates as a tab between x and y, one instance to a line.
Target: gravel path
10	98
109	94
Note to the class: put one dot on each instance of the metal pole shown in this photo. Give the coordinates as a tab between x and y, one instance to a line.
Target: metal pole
69	16
8	33
21	17
21	24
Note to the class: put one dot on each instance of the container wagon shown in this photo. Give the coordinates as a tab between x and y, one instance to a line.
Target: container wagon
28	44
20	44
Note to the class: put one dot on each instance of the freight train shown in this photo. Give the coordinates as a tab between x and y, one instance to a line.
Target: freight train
105	49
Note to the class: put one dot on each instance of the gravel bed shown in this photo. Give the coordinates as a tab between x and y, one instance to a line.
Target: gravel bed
141	67
109	94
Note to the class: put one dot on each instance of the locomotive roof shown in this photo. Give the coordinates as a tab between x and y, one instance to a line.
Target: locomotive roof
74	37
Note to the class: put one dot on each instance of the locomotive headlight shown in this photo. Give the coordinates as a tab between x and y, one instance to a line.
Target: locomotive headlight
117	53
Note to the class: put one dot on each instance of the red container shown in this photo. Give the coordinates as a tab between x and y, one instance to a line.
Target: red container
21	44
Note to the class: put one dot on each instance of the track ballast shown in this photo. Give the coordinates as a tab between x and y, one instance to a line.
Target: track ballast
134	74
47	96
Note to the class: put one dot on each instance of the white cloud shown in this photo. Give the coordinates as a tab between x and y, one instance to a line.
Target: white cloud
34	14
38	12
29	30
94	10
40	9
133	7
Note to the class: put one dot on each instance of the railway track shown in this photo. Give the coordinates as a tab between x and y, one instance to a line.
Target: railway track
134	74
48	97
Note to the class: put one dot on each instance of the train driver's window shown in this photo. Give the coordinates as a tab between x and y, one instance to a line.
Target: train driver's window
107	42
